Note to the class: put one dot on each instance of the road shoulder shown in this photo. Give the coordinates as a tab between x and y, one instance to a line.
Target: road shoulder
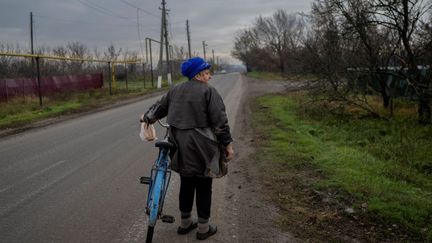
251	209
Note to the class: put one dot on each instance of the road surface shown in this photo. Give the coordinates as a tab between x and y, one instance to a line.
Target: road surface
78	180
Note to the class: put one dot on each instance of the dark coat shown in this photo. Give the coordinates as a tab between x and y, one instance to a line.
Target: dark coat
198	127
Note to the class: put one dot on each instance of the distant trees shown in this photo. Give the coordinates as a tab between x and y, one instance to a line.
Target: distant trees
344	40
270	41
18	67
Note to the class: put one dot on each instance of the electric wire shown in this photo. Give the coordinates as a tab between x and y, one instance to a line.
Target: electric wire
140	9
94	23
101	9
138	23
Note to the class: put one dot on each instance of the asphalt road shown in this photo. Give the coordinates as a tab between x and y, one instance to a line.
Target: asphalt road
78	180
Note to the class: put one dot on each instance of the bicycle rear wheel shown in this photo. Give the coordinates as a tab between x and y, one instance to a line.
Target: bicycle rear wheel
150	230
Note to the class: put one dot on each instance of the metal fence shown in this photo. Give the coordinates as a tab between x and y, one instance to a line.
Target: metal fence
395	81
10	88
44	75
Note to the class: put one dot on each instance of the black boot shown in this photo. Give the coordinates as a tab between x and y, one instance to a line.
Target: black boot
202	236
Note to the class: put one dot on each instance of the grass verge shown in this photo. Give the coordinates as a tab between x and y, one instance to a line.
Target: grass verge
270	76
24	110
379	169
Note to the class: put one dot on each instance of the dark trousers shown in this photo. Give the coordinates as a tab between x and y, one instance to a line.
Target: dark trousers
203	188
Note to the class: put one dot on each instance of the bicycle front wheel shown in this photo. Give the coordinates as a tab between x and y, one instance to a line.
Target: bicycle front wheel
150	230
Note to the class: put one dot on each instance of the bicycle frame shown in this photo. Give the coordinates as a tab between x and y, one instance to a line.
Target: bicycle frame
160	178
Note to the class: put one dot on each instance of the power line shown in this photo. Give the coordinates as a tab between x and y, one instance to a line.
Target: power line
140	9
138	23
94	23
106	9
102	9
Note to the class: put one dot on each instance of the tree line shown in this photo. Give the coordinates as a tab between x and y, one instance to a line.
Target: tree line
19	67
342	40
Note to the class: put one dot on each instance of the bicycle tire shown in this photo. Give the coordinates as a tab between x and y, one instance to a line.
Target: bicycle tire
150	231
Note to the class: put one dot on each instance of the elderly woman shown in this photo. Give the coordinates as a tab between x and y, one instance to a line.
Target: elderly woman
199	129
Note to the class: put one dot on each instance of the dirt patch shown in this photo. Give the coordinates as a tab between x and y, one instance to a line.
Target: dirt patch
288	209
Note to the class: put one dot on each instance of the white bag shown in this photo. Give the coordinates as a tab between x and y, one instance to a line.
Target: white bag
148	132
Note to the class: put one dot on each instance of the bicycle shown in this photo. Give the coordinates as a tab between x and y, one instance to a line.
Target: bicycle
158	182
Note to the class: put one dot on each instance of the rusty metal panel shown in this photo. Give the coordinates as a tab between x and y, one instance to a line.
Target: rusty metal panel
28	86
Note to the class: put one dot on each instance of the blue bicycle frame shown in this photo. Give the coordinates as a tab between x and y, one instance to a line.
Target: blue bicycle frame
158	182
160	177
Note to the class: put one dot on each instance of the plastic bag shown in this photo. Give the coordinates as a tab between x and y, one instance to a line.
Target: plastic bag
148	132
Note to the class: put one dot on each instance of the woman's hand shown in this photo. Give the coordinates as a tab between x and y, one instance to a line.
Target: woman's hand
229	152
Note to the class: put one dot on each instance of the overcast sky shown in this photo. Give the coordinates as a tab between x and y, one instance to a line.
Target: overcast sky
98	23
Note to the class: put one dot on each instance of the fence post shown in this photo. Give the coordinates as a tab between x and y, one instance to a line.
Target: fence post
144	72
39	80
23	90
151	64
7	92
109	75
126	76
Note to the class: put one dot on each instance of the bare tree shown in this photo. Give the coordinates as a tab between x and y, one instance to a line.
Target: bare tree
331	53
77	50
60	51
360	25
279	32
404	17
272	43
111	53
327	45
246	42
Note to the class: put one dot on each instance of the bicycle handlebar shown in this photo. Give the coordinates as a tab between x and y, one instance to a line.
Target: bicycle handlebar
163	124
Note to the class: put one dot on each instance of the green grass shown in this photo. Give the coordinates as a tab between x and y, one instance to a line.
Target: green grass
270	76
24	110
384	163
266	75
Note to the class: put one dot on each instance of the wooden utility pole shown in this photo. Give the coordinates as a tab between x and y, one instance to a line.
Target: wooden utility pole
164	35
151	64
188	38
159	83
213	60
31	33
37	73
204	49
167	52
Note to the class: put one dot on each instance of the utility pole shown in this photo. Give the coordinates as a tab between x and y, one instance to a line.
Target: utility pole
213	60
167	45
33	60
139	32
204	49
159	82
164	35
151	63
31	33
188	38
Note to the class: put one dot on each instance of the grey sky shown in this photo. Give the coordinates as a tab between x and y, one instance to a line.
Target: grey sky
98	23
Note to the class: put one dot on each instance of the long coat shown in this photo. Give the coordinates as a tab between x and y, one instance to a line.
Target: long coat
198	127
